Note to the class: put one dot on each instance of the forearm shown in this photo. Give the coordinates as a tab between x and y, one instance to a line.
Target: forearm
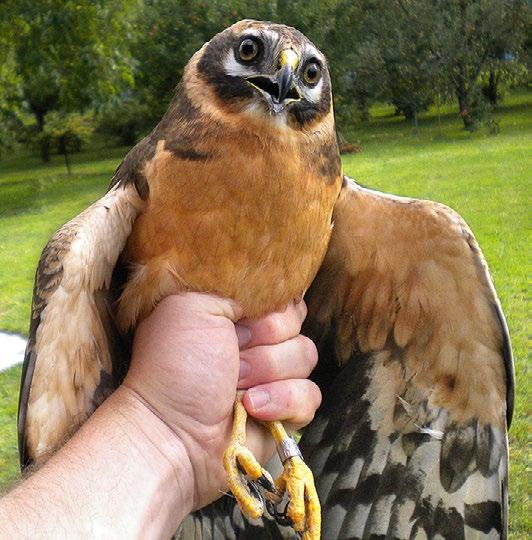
124	474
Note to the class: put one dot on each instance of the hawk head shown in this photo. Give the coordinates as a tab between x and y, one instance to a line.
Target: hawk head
266	69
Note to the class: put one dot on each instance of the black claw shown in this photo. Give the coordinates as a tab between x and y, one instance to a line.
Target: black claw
280	517
267	484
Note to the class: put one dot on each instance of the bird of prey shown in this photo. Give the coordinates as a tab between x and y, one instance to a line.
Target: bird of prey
239	191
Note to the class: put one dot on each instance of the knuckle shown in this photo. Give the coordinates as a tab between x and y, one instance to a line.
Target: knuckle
310	351
310	399
270	363
303	309
273	326
290	397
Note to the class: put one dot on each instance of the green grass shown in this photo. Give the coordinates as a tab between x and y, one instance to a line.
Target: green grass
483	177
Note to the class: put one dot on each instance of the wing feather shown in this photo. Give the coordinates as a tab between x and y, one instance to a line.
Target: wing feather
68	365
411	438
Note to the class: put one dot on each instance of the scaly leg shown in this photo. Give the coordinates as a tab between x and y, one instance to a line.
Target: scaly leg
238	458
297	480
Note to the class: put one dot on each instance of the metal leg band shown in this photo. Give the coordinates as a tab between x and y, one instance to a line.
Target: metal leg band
288	448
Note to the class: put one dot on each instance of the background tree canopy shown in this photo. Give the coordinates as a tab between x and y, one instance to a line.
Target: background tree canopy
123	59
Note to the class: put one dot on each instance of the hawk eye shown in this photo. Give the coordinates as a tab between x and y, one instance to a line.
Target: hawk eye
312	73
248	50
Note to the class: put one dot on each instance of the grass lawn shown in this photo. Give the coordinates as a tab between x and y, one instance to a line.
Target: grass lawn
482	176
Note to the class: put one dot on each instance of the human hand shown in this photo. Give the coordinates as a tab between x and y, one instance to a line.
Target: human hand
185	368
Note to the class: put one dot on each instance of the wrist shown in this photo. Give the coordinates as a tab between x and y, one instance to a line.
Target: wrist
160	449
124	474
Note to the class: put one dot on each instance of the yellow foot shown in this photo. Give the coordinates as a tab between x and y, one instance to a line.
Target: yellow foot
303	510
239	461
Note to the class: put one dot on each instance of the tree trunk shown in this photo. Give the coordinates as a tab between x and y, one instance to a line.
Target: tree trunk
64	151
363	108
67	163
438	102
39	115
491	91
462	90
463	105
414	114
44	145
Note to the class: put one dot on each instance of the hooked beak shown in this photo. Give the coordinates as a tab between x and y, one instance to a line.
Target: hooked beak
279	90
287	63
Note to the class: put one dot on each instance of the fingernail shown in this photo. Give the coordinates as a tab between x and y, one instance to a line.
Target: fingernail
245	368
243	333
258	398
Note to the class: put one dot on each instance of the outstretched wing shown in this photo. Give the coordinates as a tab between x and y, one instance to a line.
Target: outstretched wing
416	372
70	362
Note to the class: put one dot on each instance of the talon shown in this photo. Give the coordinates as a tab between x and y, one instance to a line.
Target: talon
280	517
266	482
238	460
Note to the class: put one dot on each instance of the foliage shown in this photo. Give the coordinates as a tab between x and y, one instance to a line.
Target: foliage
10	81
66	133
70	54
127	119
502	74
411	52
396	56
123	59
73	53
473	35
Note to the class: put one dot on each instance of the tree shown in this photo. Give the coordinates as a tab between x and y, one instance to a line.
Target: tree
411	51
66	133
473	34
72	54
386	53
398	39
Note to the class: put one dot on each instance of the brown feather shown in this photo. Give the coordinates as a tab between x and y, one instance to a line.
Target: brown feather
68	365
416	283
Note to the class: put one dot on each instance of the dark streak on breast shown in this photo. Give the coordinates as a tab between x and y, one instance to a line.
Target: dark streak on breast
131	168
188	153
329	162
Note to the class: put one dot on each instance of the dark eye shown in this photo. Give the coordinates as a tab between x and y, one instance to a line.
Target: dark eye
312	73
248	50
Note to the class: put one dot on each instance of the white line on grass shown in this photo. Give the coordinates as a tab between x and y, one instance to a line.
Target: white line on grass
11	350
